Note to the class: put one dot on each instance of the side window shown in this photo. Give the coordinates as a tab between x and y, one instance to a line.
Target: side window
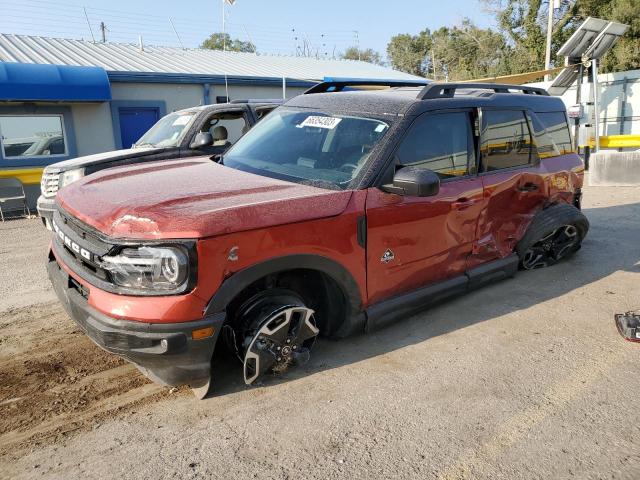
557	129
505	139
544	143
23	136
262	112
226	127
56	147
440	142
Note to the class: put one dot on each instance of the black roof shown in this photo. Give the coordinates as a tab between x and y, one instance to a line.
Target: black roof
406	100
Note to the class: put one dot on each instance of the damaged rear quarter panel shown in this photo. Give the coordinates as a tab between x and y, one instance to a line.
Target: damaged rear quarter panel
509	212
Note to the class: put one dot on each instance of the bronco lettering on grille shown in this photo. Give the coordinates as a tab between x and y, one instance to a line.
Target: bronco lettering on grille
83	252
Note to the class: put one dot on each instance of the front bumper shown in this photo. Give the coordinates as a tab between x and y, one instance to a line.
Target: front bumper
46	207
165	352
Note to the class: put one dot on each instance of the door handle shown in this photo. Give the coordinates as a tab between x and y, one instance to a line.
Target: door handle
528	187
462	204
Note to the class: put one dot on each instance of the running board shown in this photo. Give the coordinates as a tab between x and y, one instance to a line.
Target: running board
493	271
389	311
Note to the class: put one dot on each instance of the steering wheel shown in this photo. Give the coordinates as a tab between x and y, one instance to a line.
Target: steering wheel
348	167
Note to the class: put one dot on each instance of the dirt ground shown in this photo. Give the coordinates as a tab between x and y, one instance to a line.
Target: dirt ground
527	378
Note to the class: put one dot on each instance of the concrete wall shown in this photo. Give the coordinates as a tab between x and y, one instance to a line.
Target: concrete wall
93	128
614	169
179	96
619	103
176	97
620	97
247	91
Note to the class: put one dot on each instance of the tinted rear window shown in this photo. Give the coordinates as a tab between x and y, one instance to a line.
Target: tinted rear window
506	139
557	131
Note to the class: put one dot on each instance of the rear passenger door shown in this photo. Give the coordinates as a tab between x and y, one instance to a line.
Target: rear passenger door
513	182
415	241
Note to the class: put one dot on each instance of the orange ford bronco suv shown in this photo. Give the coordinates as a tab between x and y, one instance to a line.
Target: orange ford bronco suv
342	211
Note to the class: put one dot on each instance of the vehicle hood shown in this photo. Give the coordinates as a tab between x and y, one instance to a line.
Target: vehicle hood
98	158
194	198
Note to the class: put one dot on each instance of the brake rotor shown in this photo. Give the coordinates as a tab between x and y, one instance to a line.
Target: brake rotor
280	340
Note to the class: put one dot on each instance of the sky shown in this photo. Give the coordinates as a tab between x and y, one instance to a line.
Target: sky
276	26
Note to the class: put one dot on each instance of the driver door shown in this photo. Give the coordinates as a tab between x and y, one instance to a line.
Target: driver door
415	241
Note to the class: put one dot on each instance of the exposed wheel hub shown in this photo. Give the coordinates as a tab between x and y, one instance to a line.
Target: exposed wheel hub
277	340
551	248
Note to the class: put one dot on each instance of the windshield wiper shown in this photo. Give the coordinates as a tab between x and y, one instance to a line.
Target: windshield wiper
138	145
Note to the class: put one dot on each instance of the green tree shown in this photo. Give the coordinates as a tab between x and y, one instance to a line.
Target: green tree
219	41
466	51
367	55
523	22
626	53
410	53
462	52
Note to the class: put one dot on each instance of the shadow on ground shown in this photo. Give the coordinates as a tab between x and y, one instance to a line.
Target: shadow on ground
612	245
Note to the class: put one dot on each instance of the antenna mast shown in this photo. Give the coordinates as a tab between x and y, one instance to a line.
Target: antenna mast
89	24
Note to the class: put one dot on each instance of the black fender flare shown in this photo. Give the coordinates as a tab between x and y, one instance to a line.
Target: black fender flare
237	282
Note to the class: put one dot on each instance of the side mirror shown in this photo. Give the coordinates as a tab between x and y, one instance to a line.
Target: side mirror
201	140
414	182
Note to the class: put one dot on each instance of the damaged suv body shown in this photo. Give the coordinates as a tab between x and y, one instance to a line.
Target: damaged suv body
340	212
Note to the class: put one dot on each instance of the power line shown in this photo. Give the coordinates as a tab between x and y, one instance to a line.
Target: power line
65	19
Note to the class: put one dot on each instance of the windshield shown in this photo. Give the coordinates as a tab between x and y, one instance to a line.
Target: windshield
168	131
316	148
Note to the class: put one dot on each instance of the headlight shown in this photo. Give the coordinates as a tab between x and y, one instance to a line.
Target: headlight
70	176
149	268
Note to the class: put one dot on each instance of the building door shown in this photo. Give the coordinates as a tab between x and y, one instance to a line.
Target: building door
135	121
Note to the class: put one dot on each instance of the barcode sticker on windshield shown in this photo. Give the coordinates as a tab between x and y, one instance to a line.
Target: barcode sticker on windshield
320	122
181	120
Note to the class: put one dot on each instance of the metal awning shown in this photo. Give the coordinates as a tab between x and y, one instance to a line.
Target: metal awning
53	83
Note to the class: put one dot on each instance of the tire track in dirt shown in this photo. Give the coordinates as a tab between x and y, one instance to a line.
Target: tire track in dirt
54	380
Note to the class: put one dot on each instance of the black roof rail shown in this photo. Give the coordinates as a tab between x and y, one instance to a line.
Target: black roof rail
448	90
339	85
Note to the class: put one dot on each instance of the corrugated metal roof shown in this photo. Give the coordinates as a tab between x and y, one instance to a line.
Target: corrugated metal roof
121	57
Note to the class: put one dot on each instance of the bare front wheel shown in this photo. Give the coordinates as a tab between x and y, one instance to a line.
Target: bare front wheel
277	333
552	248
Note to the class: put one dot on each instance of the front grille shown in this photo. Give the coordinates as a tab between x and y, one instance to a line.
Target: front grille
75	239
77	286
96	244
49	184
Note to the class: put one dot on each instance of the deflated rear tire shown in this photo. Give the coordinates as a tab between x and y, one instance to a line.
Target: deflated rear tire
555	233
